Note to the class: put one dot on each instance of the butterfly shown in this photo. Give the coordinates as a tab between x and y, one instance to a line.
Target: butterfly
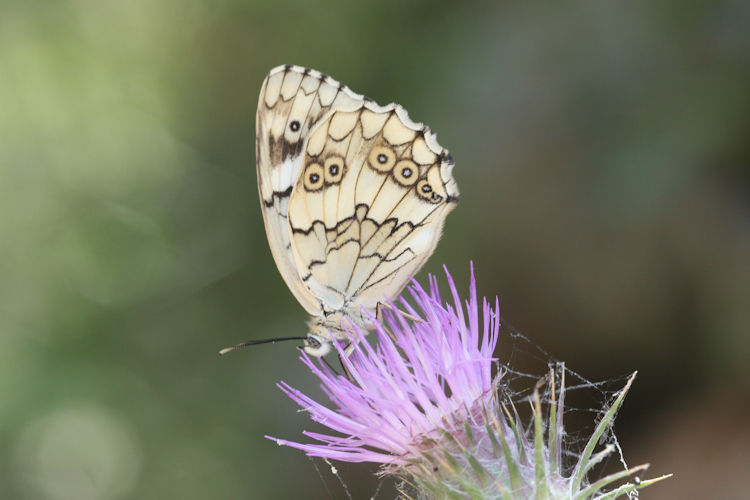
354	196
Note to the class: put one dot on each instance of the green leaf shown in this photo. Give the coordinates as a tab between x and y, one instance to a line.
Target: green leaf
583	465
627	488
600	484
513	472
539	469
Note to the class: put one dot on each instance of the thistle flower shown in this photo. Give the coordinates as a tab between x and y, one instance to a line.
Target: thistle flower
425	405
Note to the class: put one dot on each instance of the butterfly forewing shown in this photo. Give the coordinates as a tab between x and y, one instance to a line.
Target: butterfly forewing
292	100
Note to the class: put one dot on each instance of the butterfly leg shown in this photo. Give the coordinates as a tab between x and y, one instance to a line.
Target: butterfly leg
379	318
330	367
348	350
343	365
406	315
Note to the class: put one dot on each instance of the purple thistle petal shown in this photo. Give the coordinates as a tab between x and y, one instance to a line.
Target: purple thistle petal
402	391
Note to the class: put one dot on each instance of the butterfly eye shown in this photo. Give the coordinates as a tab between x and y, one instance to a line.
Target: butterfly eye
294	126
405	172
313	341
314	177
334	169
425	191
381	159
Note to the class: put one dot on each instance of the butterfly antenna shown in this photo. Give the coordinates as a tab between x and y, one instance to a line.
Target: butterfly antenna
257	342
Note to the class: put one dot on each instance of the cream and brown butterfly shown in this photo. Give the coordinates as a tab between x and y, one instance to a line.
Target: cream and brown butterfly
353	195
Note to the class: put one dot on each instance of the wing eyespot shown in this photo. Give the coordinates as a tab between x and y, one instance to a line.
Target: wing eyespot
314	177
425	191
334	169
381	159
406	173
294	126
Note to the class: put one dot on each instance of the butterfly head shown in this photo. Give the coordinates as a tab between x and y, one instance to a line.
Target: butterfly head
325	328
318	341
316	345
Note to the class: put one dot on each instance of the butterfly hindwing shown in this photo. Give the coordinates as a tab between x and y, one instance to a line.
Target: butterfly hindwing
293	100
368	206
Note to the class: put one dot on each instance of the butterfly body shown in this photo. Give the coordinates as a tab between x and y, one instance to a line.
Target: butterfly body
353	195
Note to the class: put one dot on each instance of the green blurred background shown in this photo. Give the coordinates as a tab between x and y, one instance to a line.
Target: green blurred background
602	154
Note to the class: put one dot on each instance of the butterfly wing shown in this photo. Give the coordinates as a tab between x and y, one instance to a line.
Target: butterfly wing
292	101
368	208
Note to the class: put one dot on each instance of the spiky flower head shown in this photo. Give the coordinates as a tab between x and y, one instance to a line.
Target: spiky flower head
424	403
